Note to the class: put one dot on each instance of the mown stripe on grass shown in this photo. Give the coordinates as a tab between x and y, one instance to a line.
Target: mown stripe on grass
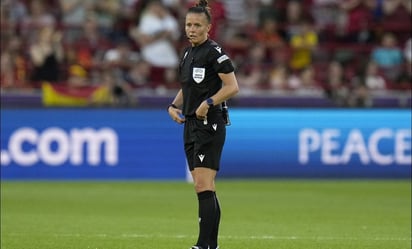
229	237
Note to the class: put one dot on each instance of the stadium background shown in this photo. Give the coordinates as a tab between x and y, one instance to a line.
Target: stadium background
329	144
101	71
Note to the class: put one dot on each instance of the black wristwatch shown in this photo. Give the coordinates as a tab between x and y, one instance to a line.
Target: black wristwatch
209	101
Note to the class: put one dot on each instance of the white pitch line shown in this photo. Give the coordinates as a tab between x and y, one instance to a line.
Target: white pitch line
231	237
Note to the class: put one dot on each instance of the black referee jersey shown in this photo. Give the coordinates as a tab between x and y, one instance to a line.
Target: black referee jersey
199	69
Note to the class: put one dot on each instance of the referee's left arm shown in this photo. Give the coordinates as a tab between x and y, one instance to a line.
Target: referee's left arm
229	89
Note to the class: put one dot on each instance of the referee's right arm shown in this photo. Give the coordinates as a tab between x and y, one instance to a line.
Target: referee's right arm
174	109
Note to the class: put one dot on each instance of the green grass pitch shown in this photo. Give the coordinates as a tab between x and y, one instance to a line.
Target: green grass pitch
267	214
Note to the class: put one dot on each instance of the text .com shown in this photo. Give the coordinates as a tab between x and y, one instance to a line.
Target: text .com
55	147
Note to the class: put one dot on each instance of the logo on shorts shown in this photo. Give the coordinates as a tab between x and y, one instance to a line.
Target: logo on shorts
214	126
201	157
198	74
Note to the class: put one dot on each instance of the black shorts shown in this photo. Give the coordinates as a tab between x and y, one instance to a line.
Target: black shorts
203	143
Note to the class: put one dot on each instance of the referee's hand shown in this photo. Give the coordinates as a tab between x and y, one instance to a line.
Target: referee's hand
176	115
202	110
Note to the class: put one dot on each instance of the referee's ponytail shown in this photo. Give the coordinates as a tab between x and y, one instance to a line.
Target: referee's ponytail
202	6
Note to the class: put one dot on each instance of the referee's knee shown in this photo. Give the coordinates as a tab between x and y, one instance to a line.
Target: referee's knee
201	185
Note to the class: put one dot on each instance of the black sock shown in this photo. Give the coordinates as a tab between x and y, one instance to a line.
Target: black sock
214	235
207	217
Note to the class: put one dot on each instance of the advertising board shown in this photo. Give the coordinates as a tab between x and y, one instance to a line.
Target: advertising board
146	144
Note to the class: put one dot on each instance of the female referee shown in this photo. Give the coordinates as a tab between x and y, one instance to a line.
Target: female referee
207	81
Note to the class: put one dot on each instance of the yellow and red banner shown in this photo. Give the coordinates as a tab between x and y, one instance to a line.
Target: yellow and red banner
66	95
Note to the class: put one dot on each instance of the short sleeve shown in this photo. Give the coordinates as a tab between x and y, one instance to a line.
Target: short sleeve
220	60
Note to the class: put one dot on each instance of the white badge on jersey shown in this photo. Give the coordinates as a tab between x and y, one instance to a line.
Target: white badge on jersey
198	74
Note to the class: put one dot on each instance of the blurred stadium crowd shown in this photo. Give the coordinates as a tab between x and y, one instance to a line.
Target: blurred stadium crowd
341	49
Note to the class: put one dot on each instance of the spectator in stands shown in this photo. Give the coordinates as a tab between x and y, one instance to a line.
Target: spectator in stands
120	58
359	97
325	12
373	80
173	5
78	77
278	77
239	28
112	92
253	74
106	13
391	7
336	84
303	44
13	64
328	18
407	51
74	14
359	23
238	45
139	75
156	35
308	83
294	80
46	55
39	17
267	10
294	15
301	82
125	19
88	50
76	11
404	80
12	13
268	36
388	56
360	94
16	10
53	7
237	17
281	56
